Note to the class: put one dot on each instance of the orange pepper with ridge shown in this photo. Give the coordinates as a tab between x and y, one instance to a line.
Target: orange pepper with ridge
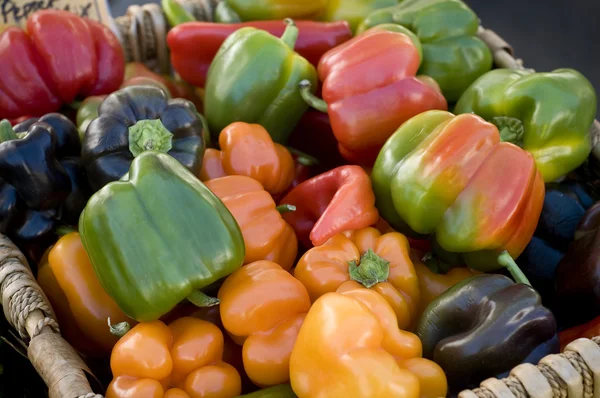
81	304
266	235
380	262
248	150
182	360
361	352
262	308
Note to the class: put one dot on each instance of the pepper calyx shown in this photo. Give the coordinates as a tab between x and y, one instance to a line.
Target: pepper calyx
511	129
372	269
149	135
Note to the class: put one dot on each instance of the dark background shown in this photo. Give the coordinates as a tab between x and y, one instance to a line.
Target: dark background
546	34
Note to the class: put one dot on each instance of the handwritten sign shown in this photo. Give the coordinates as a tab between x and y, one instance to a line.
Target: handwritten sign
15	12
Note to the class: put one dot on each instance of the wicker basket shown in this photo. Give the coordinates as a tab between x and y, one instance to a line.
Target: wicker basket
142	31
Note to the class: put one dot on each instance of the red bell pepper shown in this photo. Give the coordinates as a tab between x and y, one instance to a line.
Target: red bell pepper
370	89
61	56
339	200
193	45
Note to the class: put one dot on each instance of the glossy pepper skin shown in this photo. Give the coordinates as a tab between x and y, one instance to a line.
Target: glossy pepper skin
548	114
87	112
192	62
484	326
452	177
333	202
361	352
272	100
39	73
181	360
263	307
353	11
380	262
365	108
81	304
266	235
256	10
577	275
452	53
249	150
136	118
148	254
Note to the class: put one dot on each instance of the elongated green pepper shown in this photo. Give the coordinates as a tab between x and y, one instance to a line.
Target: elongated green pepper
254	79
159	236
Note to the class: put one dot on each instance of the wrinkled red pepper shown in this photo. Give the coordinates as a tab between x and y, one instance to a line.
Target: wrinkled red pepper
339	200
60	57
193	45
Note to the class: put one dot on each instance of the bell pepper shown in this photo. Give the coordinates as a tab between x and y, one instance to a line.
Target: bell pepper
248	150
576	279
158	236
453	55
256	10
361	352
274	70
451	176
81	304
547	114
181	360
483	327
365	108
39	73
41	180
353	11
192	61
333	202
380	262
586	331
433	283
87	112
266	235
135	119
262	308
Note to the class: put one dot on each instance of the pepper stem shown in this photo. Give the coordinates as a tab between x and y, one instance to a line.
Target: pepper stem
65	230
120	329
285	208
310	98
202	300
149	135
6	131
303	158
290	35
511	129
506	260
372	269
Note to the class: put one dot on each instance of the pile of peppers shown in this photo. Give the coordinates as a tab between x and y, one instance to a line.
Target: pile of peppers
326	199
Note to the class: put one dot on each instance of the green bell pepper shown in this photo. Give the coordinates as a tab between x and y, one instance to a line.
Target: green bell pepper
158	236
87	111
452	54
254	78
353	11
547	114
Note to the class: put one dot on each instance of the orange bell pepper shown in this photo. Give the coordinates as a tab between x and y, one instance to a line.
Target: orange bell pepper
266	235
81	304
262	308
431	284
338	200
182	360
384	265
350	346
248	150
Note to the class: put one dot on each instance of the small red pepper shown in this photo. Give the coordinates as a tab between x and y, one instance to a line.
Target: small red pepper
61	56
339	200
193	45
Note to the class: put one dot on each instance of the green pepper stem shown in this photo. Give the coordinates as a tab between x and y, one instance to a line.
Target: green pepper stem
200	299
120	329
65	230
285	208
506	260
6	131
372	269
149	135
303	158
311	99
511	129
290	35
